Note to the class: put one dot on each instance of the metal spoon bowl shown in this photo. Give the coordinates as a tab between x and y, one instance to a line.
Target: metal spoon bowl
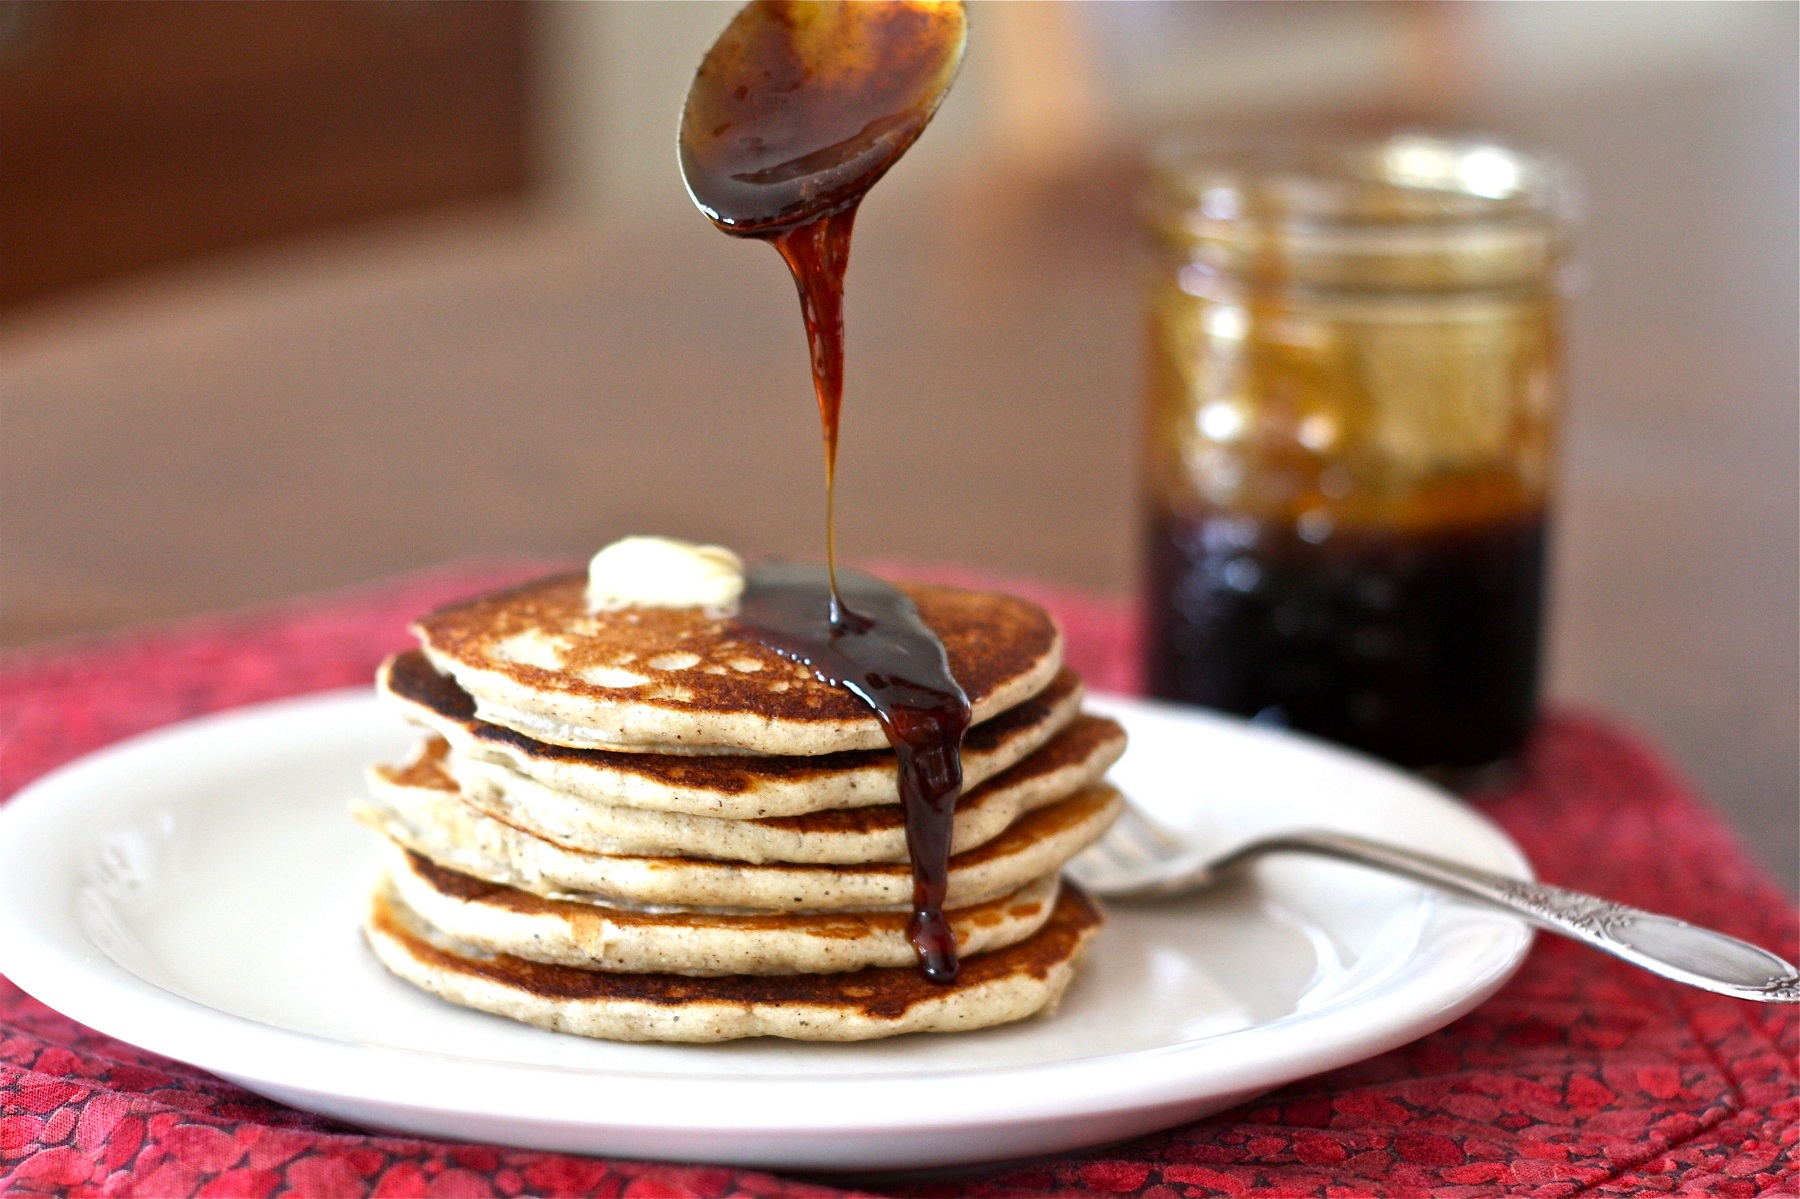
800	107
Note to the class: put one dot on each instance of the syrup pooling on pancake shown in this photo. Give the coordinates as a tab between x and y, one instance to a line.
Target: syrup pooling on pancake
677	681
865	635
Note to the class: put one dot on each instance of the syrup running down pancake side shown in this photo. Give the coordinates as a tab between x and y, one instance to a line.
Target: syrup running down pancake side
875	645
796	111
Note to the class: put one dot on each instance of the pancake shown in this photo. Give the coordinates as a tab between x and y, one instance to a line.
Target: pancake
439	826
674	681
731	786
995	988
501	919
1076	758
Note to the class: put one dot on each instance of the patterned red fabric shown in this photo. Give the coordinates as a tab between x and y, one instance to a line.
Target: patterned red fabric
1582	1075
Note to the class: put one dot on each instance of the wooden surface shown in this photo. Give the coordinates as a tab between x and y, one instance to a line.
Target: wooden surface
501	384
138	134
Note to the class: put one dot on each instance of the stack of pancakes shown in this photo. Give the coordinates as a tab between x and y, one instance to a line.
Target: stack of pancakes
644	825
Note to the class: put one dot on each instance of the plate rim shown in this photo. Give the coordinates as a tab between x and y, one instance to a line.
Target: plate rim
89	986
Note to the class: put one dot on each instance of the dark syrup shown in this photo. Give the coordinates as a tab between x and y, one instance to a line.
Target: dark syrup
1418	646
798	109
781	138
880	650
860	633
818	253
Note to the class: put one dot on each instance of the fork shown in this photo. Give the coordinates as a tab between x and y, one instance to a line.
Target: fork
1138	859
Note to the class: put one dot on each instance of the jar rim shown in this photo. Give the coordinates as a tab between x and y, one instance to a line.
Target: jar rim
1406	180
1409	211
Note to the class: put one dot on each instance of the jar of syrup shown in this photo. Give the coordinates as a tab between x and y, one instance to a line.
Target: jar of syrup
1354	375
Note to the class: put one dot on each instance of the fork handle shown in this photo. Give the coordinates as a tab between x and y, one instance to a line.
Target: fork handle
1662	945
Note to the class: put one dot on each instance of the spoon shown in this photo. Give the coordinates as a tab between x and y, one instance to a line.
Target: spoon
1138	859
800	107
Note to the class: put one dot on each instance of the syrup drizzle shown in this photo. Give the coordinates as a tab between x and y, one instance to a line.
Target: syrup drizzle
881	651
818	253
795	112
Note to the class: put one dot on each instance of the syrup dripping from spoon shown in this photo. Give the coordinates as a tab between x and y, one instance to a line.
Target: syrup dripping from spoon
795	113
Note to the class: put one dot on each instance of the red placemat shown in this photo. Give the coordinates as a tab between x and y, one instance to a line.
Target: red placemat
1581	1075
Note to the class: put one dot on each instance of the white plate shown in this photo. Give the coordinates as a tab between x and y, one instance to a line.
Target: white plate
197	891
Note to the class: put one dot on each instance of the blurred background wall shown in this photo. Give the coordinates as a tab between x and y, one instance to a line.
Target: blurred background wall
138	135
295	295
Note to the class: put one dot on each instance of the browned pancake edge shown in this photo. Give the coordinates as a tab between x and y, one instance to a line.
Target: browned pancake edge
992	641
467	889
410	678
882	993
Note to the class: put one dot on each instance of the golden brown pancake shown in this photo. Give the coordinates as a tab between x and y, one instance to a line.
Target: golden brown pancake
995	988
727	786
1076	758
591	936
433	821
672	680
597	840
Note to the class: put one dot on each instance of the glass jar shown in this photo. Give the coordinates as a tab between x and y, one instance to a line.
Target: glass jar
1354	375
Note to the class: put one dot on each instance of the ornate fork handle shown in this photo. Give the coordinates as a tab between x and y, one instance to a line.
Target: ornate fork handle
1660	944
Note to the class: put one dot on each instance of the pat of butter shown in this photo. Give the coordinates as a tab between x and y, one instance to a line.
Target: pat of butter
660	572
